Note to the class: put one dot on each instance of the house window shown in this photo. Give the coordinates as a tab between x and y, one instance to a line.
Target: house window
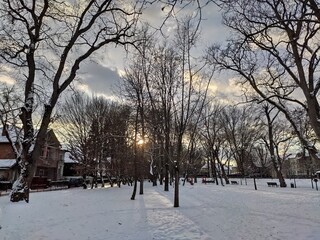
41	172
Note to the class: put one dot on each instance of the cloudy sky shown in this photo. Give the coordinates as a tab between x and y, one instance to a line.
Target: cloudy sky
102	76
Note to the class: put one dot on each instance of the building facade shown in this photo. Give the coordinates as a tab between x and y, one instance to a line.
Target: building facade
49	165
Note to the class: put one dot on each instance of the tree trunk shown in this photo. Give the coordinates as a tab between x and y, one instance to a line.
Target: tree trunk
133	196
176	186
223	172
166	165
141	186
213	171
28	162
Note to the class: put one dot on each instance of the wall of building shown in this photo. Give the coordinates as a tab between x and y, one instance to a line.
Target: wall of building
6	151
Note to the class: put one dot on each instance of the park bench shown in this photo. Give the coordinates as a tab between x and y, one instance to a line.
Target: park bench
207	181
272	184
234	182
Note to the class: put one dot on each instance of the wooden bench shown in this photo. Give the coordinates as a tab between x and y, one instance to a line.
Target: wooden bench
234	182
207	181
272	184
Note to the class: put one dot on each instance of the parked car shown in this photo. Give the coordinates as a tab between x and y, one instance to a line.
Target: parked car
75	181
5	185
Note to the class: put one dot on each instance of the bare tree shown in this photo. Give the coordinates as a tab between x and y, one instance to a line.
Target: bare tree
134	84
212	136
168	85
241	129
76	129
46	42
192	91
275	50
193	159
70	33
272	144
262	159
95	131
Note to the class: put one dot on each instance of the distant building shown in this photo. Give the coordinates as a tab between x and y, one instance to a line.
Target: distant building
70	166
50	164
206	169
8	165
300	166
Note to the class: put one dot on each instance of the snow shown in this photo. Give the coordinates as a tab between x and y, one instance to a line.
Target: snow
67	158
7	163
3	139
206	212
13	133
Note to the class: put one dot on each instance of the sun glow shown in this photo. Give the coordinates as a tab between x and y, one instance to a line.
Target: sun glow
140	142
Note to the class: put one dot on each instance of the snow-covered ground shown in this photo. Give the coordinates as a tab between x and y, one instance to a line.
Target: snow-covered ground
206	211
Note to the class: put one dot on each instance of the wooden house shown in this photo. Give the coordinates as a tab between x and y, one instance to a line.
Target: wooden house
49	165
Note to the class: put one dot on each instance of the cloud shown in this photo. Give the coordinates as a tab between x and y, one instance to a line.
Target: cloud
98	79
7	80
103	76
227	91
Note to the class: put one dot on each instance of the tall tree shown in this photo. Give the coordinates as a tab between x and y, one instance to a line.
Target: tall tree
45	42
272	144
192	84
76	124
213	136
95	130
134	85
242	130
275	49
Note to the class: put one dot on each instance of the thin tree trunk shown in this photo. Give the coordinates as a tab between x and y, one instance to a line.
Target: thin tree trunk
134	190
141	186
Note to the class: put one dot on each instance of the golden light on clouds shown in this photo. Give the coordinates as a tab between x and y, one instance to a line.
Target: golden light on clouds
121	73
213	88
7	80
83	87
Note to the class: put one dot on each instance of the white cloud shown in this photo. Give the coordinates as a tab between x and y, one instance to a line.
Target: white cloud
121	73
83	88
7	80
213	88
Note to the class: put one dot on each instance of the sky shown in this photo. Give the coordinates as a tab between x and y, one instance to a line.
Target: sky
102	76
206	212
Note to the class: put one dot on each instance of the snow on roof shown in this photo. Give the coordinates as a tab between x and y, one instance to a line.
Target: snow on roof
14	133
68	159
3	139
7	163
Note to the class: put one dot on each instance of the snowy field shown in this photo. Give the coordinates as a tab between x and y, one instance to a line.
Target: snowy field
206	212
